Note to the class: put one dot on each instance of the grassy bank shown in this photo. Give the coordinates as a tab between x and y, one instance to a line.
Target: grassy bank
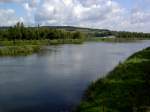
101	39
19	50
40	42
65	41
27	47
125	89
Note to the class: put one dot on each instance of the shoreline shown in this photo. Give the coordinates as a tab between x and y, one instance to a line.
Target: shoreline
124	89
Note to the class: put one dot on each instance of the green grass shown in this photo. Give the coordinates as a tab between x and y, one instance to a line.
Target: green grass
40	42
66	41
19	50
23	42
61	41
125	89
101	39
27	47
16	47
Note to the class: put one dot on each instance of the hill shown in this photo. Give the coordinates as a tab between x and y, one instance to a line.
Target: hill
91	32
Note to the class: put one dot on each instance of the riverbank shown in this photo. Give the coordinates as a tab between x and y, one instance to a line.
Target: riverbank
125	89
19	50
114	39
27	47
40	42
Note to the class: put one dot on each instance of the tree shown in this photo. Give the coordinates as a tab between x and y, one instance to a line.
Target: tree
78	35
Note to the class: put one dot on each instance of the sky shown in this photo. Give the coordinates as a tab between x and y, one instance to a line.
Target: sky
127	15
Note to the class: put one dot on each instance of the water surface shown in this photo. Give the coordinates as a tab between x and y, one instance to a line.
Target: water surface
55	79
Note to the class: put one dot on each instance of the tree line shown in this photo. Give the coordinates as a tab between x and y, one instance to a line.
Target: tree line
20	32
103	34
132	35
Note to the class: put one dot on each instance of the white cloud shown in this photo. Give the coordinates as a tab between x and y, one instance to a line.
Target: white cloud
76	12
8	17
87	13
138	16
8	1
31	4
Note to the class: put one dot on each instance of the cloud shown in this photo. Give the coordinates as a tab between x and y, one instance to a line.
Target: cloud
8	1
27	4
138	17
31	4
109	14
6	14
76	12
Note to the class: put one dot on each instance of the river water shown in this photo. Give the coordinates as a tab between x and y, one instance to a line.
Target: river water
55	79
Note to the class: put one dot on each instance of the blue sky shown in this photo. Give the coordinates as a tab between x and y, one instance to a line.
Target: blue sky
20	11
128	15
126	3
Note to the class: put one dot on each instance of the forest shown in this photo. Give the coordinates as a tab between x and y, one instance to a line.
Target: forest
21	40
20	32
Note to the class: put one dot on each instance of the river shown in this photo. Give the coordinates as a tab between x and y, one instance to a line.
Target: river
55	79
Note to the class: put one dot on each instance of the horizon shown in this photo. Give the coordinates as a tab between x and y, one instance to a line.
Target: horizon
116	15
76	28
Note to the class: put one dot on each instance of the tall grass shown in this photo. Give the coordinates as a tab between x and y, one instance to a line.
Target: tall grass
125	89
101	39
19	50
40	42
26	47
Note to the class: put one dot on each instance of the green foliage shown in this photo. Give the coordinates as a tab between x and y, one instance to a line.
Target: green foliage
125	89
40	42
132	35
19	32
18	50
20	40
78	35
103	34
112	39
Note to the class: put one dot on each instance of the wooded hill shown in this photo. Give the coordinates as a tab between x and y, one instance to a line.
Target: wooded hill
19	31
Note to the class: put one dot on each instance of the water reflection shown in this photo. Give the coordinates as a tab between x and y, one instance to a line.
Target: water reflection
54	80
